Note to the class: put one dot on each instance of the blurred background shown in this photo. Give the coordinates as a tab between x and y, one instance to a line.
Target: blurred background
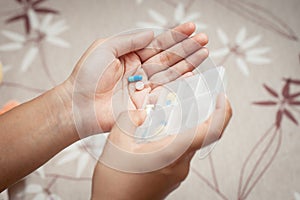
256	41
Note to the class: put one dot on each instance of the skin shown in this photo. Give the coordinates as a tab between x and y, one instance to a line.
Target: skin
127	63
109	183
35	131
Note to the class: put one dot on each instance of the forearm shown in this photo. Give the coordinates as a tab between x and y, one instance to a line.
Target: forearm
34	132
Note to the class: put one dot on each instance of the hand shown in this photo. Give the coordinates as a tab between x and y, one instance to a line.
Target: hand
101	73
109	183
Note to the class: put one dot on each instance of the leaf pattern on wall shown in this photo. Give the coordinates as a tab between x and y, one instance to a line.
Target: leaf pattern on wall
264	151
27	6
284	103
261	16
180	16
243	50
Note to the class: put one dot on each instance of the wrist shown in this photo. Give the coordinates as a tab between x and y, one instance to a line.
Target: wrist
58	102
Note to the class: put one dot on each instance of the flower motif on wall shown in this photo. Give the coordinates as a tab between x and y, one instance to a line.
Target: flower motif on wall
41	172
180	16
285	101
44	31
76	152
242	49
39	193
3	70
28	5
83	151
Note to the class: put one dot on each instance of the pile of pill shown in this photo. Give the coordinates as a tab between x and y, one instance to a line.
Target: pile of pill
139	85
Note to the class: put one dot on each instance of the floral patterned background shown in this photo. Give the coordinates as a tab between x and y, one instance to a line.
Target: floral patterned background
257	42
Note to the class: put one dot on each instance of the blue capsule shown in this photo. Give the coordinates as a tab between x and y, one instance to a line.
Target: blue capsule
135	78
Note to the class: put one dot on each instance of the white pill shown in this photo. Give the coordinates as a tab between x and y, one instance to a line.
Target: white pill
149	108
139	85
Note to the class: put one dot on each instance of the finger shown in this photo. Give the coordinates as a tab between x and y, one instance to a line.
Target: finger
139	98
186	75
126	125
166	40
174	54
213	128
110	77
131	63
179	69
185	157
122	152
154	94
123	44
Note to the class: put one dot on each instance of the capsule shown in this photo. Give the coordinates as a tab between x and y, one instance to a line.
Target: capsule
135	78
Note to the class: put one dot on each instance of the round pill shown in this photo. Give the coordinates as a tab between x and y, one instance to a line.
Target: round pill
139	85
149	108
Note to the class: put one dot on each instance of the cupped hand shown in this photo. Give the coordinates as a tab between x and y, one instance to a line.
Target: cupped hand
114	177
99	82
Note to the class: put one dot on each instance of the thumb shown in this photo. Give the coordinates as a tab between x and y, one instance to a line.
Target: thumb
212	129
126	43
127	123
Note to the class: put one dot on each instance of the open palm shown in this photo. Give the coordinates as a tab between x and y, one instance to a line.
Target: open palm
169	56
